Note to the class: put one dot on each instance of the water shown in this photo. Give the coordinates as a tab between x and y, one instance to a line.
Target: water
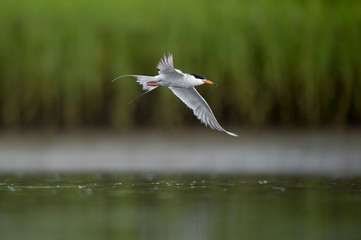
330	153
178	206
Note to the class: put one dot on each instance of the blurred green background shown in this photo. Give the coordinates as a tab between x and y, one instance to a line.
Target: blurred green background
284	63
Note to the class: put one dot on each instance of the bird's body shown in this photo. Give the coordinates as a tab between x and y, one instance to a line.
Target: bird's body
182	85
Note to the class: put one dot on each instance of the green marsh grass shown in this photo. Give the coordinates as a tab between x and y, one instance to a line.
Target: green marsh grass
275	62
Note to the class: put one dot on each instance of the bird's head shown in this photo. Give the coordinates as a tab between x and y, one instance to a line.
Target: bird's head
202	79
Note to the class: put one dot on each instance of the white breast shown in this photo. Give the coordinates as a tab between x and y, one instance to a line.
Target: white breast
187	81
181	80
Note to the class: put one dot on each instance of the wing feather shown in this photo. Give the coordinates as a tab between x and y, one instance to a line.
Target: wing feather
200	108
166	66
166	63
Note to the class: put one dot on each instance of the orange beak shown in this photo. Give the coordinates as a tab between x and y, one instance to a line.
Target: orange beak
209	82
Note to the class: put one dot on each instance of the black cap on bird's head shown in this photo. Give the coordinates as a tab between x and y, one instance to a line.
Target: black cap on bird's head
196	75
204	79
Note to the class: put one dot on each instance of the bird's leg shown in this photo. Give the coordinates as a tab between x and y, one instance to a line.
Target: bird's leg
153	84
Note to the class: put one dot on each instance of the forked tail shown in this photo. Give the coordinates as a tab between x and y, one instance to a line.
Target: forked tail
148	82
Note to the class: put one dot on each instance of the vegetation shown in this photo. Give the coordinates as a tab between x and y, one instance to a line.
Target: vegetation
275	62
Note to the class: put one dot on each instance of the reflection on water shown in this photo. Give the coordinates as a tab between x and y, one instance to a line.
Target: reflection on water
146	206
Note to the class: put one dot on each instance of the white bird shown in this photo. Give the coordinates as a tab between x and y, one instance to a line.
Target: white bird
182	85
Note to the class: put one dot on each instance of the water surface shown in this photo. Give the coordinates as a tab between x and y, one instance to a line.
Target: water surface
158	206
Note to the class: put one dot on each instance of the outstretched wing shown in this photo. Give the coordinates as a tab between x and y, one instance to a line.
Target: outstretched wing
200	108
166	66
166	63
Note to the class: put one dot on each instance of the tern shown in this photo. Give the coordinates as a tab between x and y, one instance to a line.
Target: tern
182	85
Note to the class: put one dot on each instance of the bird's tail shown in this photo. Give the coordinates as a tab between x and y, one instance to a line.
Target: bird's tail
148	82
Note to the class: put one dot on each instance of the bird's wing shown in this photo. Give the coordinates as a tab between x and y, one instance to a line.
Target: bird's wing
166	66
200	108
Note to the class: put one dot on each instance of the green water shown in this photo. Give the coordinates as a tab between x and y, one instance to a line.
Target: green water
146	206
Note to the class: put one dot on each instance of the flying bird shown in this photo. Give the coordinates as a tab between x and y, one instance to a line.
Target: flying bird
182	85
